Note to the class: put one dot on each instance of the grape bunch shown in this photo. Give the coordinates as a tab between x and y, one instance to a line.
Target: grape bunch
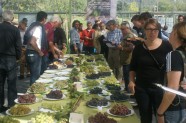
93	76
87	69
118	96
57	94
104	69
101	118
61	84
70	66
96	90
103	74
110	80
120	109
90	60
37	88
99	59
91	83
113	87
51	106
97	102
19	110
27	98
68	62
43	118
7	119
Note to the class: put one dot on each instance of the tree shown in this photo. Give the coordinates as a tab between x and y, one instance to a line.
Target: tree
45	5
165	5
134	7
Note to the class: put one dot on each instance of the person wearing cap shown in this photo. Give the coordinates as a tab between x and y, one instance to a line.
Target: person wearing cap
113	40
10	52
22	28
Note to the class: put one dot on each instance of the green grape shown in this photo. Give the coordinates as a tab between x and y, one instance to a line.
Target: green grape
110	80
51	106
7	119
104	69
91	83
43	118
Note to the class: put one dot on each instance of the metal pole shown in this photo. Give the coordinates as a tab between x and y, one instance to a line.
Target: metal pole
174	11
69	23
70	14
140	6
1	10
157	5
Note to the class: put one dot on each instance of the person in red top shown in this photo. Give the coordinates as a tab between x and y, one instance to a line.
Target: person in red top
88	45
53	52
81	36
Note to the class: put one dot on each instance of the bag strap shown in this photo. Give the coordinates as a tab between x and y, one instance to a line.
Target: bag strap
157	63
183	54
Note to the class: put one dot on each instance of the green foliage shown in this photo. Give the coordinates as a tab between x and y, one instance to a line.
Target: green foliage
165	5
80	5
65	113
7	119
45	5
133	7
73	92
181	6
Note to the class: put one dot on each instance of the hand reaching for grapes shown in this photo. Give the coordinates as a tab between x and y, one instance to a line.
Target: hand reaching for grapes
131	87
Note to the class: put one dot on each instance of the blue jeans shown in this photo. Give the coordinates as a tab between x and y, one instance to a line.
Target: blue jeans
175	116
8	71
34	62
44	63
126	70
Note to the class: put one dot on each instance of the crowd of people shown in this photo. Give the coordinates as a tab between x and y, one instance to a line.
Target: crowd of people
140	57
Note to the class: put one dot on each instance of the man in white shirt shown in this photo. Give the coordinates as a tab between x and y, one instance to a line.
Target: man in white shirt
36	45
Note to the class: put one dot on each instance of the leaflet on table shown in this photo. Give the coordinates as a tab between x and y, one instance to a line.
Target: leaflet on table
76	118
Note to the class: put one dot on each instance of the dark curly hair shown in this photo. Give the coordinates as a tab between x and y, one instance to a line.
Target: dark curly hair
74	22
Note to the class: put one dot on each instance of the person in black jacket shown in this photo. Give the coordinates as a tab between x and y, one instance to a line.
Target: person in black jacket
10	52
